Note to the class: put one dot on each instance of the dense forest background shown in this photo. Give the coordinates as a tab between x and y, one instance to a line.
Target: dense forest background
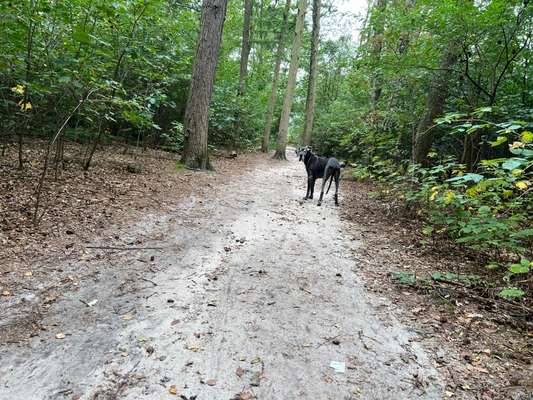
434	97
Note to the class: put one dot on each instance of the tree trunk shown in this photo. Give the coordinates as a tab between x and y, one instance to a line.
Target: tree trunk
311	88
275	78
243	71
377	44
21	158
437	95
245	49
196	119
291	82
89	157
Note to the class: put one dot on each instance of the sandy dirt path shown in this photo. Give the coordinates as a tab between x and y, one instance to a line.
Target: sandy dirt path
253	294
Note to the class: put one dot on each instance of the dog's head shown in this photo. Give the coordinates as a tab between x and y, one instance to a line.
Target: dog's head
299	153
302	153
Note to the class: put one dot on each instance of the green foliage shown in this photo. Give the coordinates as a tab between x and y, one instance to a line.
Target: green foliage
405	278
488	211
511	293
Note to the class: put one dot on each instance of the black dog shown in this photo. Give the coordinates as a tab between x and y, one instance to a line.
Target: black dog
317	168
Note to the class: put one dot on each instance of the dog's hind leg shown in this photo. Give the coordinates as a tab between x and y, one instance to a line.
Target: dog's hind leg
327	174
337	177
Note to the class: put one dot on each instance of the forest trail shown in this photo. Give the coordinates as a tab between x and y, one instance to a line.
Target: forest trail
254	293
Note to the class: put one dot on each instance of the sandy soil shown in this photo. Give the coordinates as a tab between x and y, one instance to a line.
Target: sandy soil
248	292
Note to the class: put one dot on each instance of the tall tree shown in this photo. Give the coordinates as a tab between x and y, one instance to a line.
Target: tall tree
378	27
275	78
437	95
311	88
291	82
195	123
243	70
245	49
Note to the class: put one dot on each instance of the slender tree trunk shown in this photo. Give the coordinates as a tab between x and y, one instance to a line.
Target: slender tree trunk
245	49
195	124
89	157
437	95
28	62
21	157
243	71
377	44
275	78
311	88
291	82
260	33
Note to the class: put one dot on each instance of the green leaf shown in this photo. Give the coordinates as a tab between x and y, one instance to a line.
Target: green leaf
513	163
482	110
518	269
498	141
466	178
436	276
82	37
527	137
522	234
406	278
428	230
511	292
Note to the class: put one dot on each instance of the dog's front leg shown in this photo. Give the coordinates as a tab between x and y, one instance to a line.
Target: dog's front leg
308	193
312	188
337	177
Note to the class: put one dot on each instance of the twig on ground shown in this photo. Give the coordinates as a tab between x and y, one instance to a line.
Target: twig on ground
123	248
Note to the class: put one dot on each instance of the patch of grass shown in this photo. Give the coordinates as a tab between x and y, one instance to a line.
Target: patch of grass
180	167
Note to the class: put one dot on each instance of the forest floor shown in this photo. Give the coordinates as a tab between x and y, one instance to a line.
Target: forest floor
227	285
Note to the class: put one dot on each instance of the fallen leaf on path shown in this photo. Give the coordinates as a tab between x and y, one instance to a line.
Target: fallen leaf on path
244	396
6	293
211	382
256	379
172	390
60	335
256	360
28	273
193	348
239	372
127	317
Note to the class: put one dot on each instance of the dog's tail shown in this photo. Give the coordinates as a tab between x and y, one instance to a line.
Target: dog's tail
336	172
330	181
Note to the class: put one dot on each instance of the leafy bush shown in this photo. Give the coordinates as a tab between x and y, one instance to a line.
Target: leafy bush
488	211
